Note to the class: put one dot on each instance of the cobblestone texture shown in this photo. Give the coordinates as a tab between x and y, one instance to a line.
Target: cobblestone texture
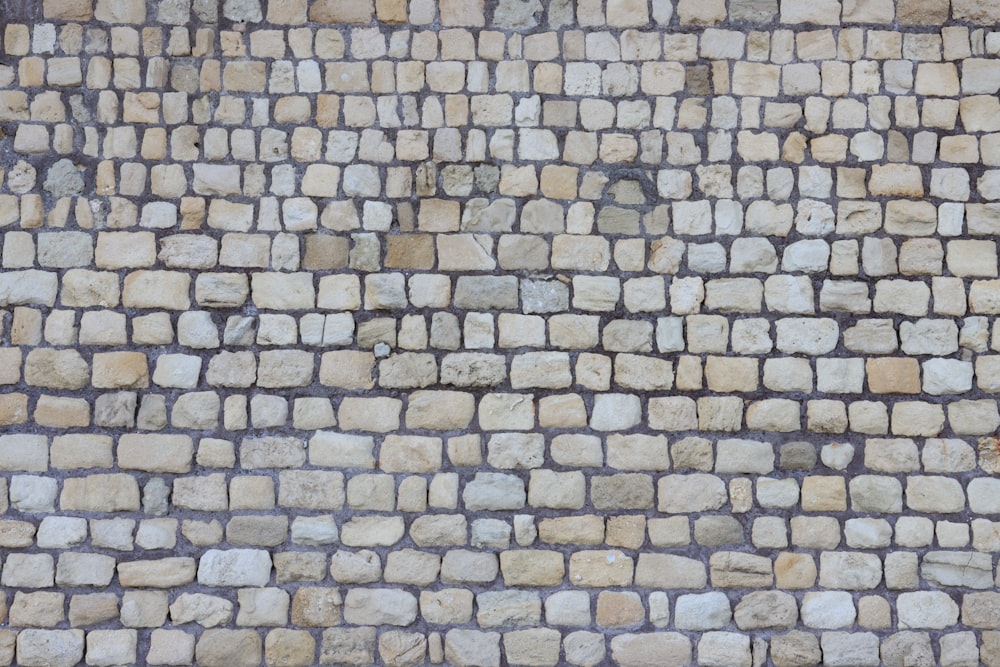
499	332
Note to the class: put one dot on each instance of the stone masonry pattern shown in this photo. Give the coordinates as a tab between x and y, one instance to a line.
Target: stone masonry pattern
643	333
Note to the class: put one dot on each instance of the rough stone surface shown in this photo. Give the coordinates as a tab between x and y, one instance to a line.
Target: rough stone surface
499	332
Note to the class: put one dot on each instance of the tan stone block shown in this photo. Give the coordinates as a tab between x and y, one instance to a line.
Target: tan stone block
347	369
92	609
120	370
162	573
14	409
921	12
71	10
869	11
532	568
825	12
462	12
100	493
155	453
440	410
937	79
229	648
756	79
893	375
732	569
316	607
407	453
665	648
824	494
293	648
728	374
586	529
795	570
56	369
619	609
562	411
410	251
120	11
559	182
82	451
380	415
600	568
157	290
390	11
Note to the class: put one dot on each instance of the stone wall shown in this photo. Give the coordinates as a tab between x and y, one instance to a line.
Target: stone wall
499	332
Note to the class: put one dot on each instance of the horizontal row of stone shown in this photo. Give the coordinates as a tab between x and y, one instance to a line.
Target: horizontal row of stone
201	411
509	450
953	43
678	493
360	44
466	648
68	369
630	131
444	218
483	252
840	570
368	493
545	216
584	79
706	334
620	145
312	607
520	16
394	291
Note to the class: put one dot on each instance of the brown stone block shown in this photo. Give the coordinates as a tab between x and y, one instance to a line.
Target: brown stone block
410	251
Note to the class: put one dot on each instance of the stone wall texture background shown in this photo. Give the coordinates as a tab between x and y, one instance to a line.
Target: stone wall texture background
499	332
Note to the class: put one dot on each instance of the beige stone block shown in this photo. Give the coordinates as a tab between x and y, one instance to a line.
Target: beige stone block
163	573
168	290
619	609
100	493
868	11
600	568
893	375
826	12
919	12
380	415
14	409
314	606
532	568
937	79
233	648
462	12
120	370
249	76
417	454
728	374
82	451
756	79
295	648
896	180
342	11
56	369
73	10
347	369
824	494
734	569
155	453
92	609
